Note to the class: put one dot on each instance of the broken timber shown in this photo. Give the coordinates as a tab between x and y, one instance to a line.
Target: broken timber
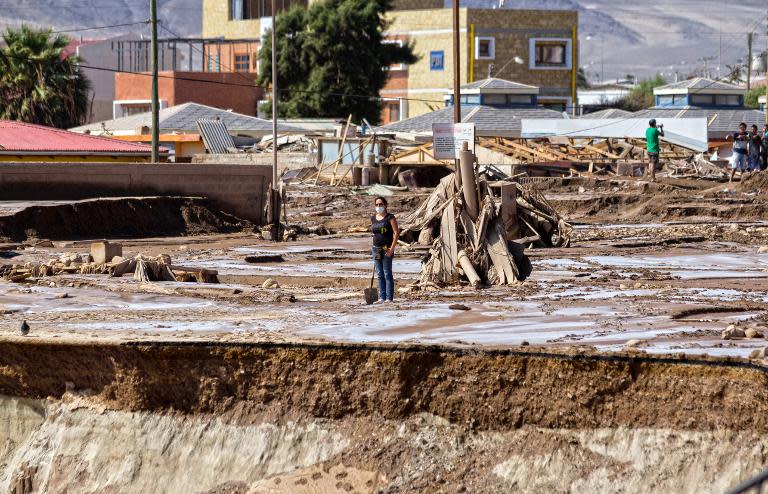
474	229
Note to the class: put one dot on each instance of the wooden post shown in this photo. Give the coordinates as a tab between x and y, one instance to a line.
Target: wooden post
469	181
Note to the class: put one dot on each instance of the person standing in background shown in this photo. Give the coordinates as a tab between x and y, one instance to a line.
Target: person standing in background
652	134
764	164
740	140
385	232
756	146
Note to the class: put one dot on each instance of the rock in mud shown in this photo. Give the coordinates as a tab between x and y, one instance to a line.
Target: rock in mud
763	250
733	331
634	343
270	283
758	353
458	307
753	333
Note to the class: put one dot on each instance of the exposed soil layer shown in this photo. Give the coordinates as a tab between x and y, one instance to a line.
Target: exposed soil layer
487	389
122	218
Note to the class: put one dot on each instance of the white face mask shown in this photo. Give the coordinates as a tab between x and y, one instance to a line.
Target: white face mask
379	209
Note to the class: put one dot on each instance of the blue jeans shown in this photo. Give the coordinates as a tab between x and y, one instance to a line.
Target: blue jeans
754	162
384	270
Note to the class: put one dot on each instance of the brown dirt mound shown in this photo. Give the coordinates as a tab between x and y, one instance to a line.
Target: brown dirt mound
756	182
120	218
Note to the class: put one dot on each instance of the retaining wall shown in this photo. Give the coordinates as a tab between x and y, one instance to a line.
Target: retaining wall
237	189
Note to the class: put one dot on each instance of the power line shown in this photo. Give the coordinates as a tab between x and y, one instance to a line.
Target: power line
340	95
96	28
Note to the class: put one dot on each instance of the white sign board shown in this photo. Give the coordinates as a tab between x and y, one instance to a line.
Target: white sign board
447	139
687	132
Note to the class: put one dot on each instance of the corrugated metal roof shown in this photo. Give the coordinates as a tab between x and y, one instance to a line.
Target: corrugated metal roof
719	120
184	117
20	137
488	120
215	136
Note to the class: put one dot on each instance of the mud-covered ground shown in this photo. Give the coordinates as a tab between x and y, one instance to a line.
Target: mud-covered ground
605	371
660	285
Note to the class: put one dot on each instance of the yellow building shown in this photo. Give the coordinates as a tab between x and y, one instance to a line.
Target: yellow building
534	47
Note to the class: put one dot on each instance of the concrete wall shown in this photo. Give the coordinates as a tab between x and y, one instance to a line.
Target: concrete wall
286	161
237	189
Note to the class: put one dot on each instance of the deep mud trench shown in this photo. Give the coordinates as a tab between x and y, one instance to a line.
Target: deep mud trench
348	418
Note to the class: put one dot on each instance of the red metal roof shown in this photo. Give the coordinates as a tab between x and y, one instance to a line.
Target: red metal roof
20	137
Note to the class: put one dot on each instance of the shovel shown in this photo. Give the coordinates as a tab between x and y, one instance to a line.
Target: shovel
371	294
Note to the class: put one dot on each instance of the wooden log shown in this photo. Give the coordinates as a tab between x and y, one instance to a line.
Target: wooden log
469	270
498	251
448	247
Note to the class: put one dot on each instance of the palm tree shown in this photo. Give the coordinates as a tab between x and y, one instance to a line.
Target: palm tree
39	82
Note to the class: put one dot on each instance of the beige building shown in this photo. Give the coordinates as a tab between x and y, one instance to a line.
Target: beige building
534	47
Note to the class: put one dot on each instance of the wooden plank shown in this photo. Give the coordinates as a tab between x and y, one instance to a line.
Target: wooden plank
509	211
500	256
448	249
469	228
339	158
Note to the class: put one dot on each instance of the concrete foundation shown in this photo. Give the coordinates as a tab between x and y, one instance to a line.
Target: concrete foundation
237	189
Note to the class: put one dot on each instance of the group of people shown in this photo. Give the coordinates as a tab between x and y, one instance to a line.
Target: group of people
750	149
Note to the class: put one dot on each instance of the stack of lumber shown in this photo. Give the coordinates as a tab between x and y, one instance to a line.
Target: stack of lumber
695	167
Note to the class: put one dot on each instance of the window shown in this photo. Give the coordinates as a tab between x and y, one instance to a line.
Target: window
702	99
436	60
242	62
237	10
550	54
519	99
485	48
471	99
495	99
728	100
240	10
553	54
129	110
393	111
214	63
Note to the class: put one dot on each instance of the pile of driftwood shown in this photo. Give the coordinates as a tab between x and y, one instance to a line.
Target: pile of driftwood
695	167
143	268
477	237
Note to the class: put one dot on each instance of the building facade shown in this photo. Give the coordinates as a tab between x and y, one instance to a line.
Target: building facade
534	47
236	91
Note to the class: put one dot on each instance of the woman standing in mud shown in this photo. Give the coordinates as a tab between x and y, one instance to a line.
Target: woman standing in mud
385	234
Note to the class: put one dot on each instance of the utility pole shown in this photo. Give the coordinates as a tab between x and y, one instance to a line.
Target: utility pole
766	69
155	97
456	65
276	199
749	61
457	81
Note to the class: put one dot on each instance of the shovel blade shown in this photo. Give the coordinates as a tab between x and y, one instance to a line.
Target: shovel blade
371	295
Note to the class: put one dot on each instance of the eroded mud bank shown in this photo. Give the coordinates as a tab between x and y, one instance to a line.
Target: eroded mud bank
331	418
